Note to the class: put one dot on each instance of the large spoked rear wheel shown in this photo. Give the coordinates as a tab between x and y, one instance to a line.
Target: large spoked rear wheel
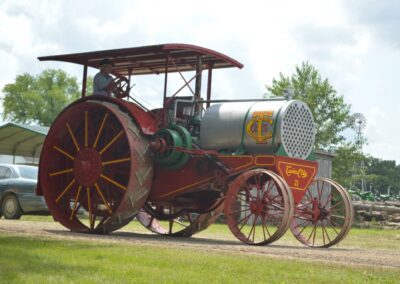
258	207
95	169
324	216
168	221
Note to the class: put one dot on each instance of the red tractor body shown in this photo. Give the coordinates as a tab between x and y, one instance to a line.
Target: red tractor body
177	168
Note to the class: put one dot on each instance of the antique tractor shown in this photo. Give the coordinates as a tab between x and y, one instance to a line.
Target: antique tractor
178	167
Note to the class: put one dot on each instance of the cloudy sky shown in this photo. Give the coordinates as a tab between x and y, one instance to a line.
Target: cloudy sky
355	44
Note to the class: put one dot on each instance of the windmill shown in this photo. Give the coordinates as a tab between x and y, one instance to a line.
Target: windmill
358	123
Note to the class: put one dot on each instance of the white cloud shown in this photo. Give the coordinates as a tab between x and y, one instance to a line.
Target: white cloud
353	43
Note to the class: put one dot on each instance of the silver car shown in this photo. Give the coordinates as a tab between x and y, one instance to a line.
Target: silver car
17	191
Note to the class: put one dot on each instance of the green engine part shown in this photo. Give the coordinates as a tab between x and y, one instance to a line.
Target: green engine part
175	136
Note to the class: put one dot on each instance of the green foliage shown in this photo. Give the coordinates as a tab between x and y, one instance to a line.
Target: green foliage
382	174
39	99
331	113
345	166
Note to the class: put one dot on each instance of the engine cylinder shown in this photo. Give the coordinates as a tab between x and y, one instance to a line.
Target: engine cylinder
259	127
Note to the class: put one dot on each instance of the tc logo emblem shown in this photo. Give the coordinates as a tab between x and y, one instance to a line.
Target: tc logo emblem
259	128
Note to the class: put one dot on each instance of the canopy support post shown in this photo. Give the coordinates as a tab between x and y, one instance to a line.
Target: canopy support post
197	90
84	80
209	85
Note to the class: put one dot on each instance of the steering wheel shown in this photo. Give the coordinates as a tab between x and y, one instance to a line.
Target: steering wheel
120	87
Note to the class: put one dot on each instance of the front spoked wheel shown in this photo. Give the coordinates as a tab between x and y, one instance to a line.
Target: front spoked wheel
324	216
258	207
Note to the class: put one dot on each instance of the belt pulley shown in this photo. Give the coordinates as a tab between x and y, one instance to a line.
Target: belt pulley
175	138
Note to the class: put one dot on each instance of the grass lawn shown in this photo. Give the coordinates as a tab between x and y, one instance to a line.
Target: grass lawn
357	237
29	260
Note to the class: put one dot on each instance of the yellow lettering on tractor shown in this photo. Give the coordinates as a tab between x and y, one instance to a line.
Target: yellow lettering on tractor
300	173
259	127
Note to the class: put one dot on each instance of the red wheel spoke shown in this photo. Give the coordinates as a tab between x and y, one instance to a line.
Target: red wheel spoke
320	192
270	184
333	229
309	195
276	206
239	211
245	219
308	222
327	201
265	226
245	198
262	226
252	228
337	204
326	232
180	223
258	181
305	221
311	234
274	218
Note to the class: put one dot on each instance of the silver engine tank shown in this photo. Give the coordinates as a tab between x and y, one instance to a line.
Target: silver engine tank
259	127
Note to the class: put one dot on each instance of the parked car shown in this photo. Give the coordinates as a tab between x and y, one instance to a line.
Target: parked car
17	191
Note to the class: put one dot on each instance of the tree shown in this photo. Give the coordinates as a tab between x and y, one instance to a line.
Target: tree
331	113
346	165
382	174
39	99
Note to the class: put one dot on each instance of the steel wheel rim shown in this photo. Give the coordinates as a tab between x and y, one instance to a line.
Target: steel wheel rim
91	163
324	216
177	223
258	207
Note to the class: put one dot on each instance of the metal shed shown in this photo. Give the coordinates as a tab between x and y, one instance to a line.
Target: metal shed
324	160
22	140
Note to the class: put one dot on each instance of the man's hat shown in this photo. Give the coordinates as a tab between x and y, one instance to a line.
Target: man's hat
106	61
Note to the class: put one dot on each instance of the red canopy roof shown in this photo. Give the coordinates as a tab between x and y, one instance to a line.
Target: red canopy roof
151	59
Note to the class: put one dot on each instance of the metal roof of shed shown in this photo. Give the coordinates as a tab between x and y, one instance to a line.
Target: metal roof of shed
21	139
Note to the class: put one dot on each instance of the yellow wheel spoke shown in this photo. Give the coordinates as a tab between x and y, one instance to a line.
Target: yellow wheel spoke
100	130
102	197
116	161
111	142
86	128
65	190
73	137
60	172
63	152
113	182
89	207
75	203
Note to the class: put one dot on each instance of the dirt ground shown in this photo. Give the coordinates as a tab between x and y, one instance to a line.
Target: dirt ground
343	256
